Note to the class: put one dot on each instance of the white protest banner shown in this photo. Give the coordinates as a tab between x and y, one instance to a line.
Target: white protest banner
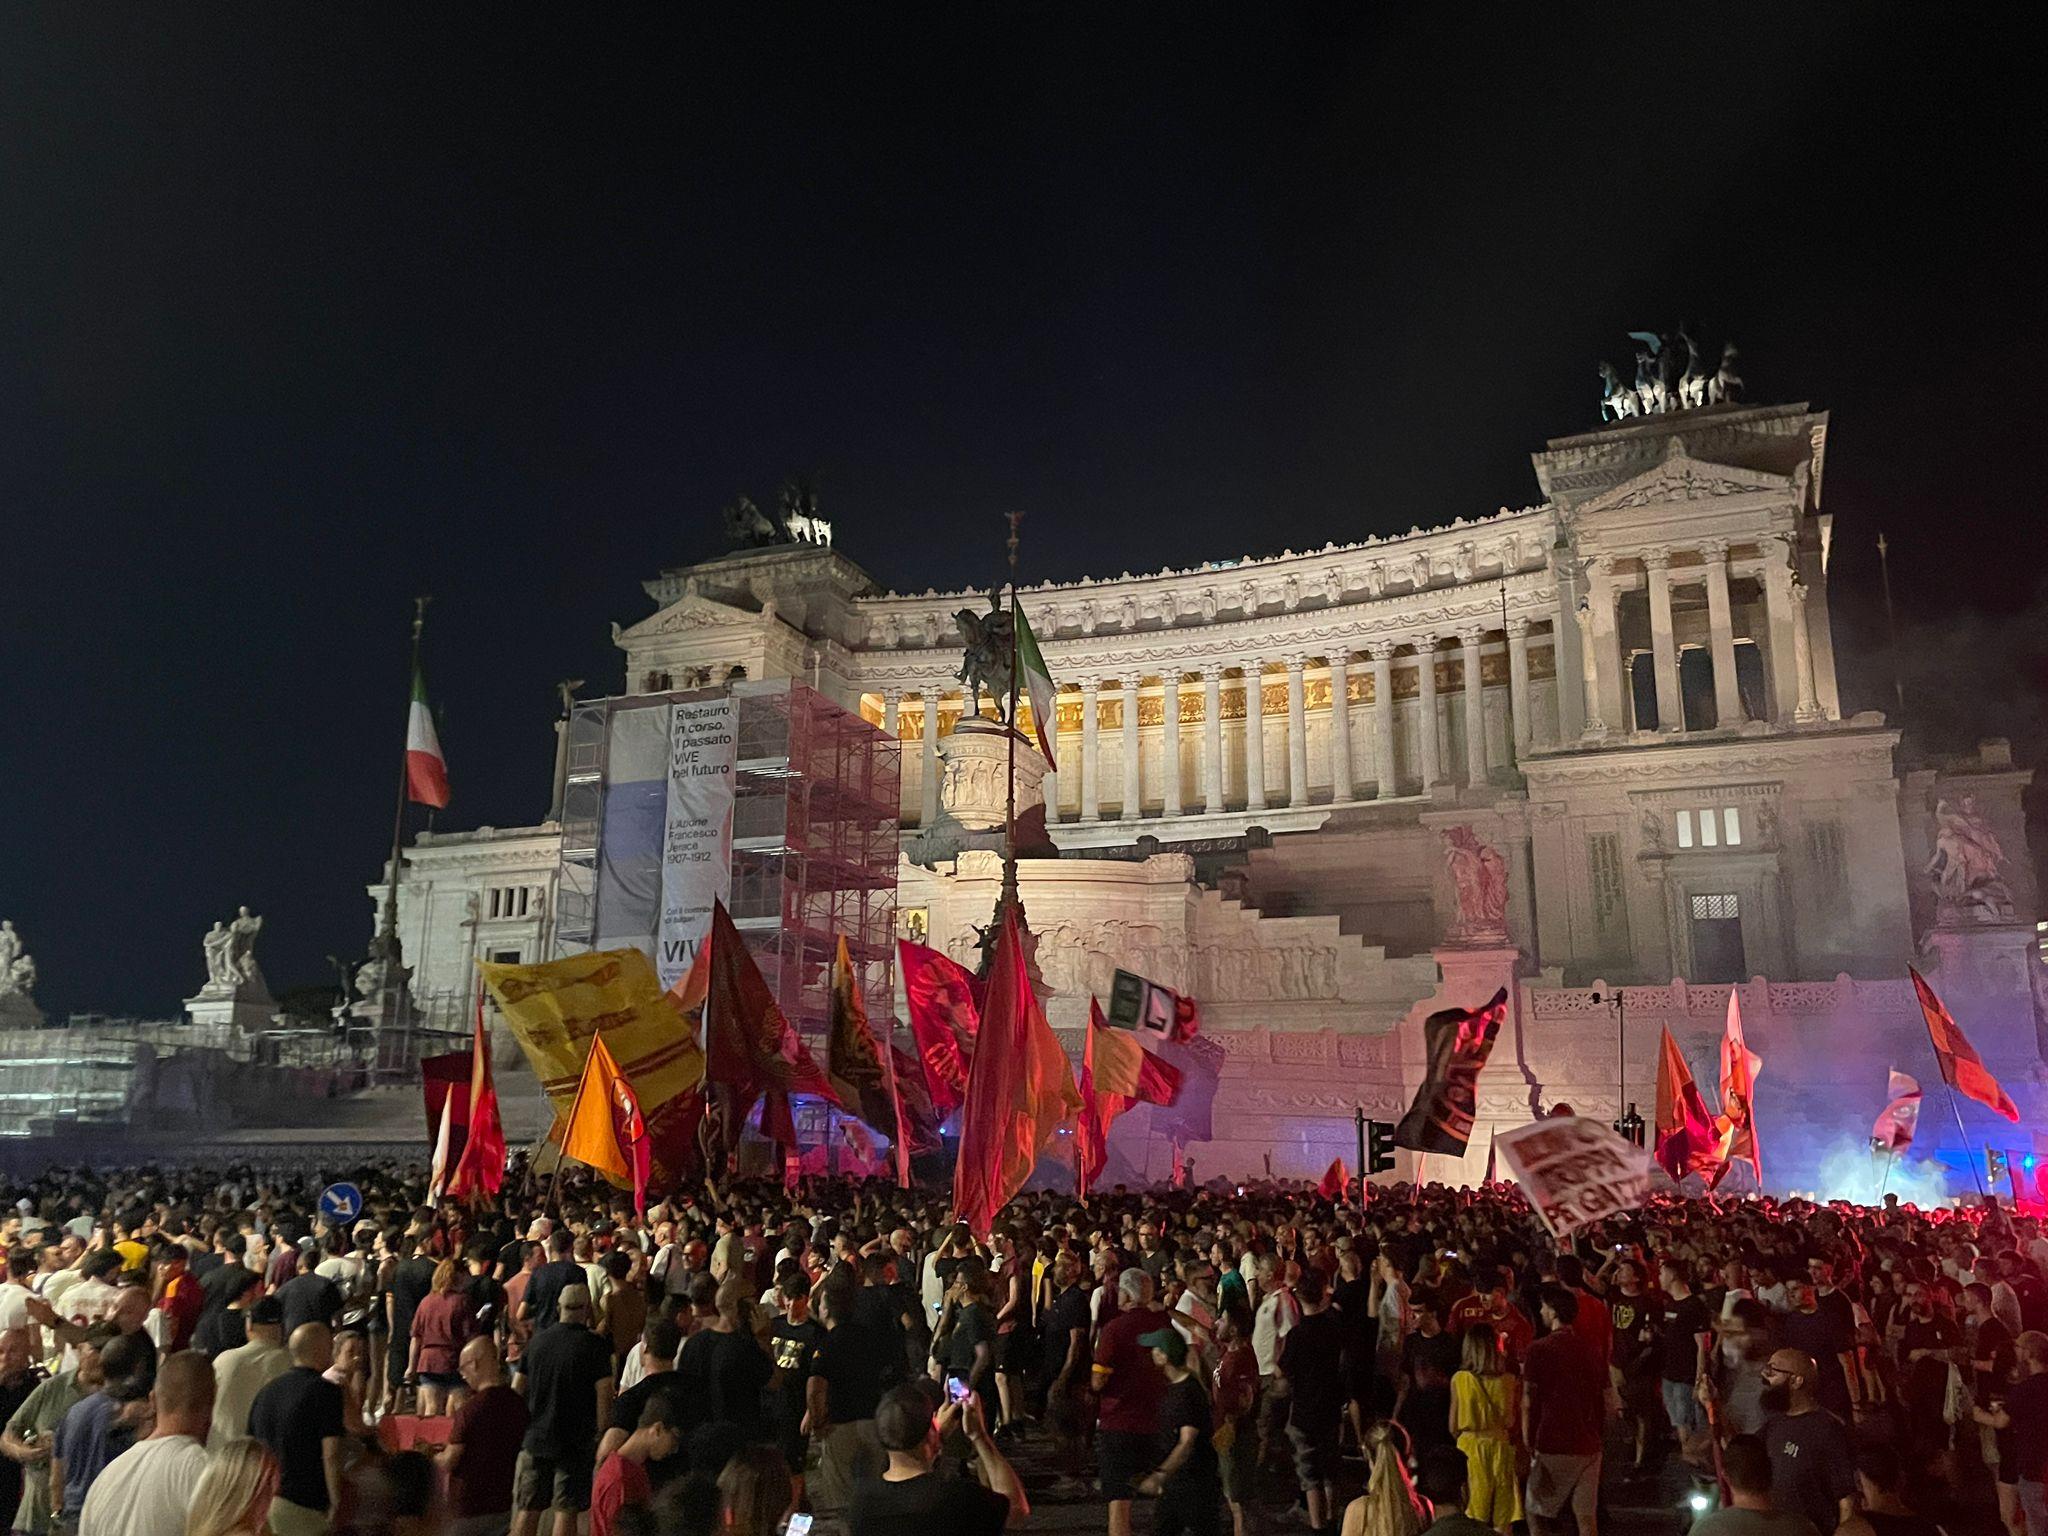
1574	1171
696	851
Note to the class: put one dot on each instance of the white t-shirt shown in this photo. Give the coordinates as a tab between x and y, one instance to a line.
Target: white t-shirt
13	1306
1276	1318
146	1490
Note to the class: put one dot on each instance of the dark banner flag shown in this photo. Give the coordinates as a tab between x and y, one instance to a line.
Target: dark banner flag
1458	1040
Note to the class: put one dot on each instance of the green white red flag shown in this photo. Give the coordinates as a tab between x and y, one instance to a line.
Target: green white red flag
1036	681
426	770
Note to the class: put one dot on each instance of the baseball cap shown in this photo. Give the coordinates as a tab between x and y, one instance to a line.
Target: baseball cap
1168	1342
574	1298
267	1311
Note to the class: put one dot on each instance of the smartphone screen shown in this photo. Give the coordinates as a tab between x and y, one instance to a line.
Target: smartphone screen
799	1525
957	1390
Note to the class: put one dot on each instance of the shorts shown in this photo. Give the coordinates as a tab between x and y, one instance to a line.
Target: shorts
795	1446
1238	1462
1685	1411
1315	1453
1124	1457
1559	1484
1017	1352
447	1381
552	1482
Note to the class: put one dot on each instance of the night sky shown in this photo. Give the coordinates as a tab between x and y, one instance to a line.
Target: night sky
306	309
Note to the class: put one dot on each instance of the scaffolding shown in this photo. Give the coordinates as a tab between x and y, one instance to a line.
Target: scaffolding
816	796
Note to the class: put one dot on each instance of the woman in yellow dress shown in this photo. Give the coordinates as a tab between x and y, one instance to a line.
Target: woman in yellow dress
1484	1413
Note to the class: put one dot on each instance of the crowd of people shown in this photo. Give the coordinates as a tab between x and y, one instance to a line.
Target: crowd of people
204	1354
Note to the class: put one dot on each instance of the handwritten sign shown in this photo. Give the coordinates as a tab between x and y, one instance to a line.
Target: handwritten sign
1575	1171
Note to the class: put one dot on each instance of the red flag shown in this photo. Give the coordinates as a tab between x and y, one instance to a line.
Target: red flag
1686	1139
480	1170
1019	1091
1899	1118
944	1004
441	1076
1737	1121
1099	1108
1961	1067
1335	1178
750	1052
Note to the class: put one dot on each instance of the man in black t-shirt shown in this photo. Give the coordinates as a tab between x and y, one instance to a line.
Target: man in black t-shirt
1813	1469
659	1343
845	1389
412	1279
308	1297
1188	1483
1684	1335
909	1499
568	1394
299	1417
1312	1365
792	1345
544	1290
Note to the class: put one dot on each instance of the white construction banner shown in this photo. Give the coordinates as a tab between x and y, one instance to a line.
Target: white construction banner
696	848
1575	1171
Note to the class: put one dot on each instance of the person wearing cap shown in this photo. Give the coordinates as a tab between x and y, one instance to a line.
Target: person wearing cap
908	1498
568	1371
242	1372
30	1433
1187	1482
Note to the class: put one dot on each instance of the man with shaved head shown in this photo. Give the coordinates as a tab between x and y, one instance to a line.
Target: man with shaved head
484	1437
147	1490
1813	1462
299	1416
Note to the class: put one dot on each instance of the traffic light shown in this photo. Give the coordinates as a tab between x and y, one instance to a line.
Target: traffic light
1995	1166
1379	1147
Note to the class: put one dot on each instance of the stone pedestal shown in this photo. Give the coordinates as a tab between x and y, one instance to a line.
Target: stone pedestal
974	774
245	1010
19	1011
1994	959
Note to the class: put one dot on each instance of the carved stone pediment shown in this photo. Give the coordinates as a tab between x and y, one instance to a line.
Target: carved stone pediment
692	612
1679	477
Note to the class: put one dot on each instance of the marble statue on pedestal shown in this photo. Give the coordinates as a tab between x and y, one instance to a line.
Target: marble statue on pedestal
18	1009
1967	865
230	949
1479	875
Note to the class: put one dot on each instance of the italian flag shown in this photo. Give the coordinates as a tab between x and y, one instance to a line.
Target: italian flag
1037	682
426	770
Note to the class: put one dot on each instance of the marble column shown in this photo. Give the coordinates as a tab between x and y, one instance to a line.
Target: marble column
1133	784
1212	738
1663	646
928	793
1475	708
1340	727
1254	735
1518	686
1091	755
1297	733
1782	615
1425	667
1802	657
1169	737
1721	627
1606	682
1383	722
892	705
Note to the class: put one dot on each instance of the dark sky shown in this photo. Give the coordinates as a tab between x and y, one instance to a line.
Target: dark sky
305	309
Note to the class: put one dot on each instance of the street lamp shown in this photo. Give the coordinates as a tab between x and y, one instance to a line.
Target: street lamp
1628	1124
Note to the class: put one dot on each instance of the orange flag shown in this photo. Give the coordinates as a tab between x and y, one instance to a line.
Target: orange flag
1686	1142
1961	1067
1019	1091
1737	1121
605	1130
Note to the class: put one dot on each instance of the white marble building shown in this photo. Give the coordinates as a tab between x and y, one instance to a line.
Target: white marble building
1627	693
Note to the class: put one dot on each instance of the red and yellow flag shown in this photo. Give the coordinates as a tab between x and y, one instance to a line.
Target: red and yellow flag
1686	1139
1961	1067
605	1129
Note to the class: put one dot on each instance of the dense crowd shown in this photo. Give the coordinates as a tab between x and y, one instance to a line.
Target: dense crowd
187	1354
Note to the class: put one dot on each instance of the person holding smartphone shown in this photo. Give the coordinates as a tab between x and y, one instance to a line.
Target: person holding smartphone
909	1499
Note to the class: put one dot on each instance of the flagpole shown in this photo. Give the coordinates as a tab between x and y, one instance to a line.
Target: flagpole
387	936
1957	1110
1009	898
561	1154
